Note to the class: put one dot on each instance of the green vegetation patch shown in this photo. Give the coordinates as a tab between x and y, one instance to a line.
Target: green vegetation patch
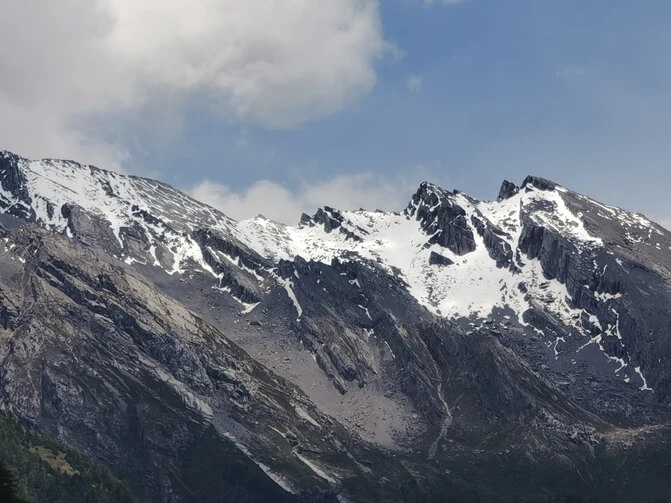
43	470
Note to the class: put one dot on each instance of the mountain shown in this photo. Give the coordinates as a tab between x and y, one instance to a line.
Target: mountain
455	350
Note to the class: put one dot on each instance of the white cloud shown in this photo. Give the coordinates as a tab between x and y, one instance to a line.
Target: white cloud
415	82
278	64
368	190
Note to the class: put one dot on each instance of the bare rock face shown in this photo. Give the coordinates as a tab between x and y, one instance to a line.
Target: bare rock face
442	217
438	259
15	198
498	248
508	190
510	350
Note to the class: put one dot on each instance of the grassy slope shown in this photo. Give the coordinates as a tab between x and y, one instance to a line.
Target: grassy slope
46	471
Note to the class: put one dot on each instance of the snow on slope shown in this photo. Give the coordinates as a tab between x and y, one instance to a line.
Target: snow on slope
472	286
121	200
112	196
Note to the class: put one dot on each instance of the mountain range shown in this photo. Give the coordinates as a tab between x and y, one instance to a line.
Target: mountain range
516	349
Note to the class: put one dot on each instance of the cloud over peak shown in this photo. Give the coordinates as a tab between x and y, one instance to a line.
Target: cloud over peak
346	192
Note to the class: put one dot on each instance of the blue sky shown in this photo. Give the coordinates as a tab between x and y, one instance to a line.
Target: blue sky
464	94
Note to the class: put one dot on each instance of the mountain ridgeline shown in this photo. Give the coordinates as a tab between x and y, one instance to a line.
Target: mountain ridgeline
455	350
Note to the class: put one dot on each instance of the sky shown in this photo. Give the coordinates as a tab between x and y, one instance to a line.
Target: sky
279	107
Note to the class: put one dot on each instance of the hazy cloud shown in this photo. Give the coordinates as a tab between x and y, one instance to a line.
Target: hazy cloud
368	190
415	82
273	63
444	2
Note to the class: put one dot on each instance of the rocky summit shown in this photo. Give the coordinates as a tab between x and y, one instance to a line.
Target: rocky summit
510	350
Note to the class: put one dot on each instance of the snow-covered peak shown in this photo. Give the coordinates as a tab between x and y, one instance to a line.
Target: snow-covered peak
459	256
156	224
438	227
116	197
428	195
545	204
148	221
